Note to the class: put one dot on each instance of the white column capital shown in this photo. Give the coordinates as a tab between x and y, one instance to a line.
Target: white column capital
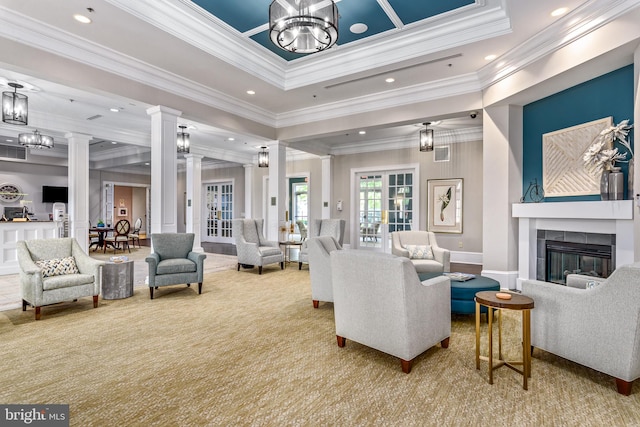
193	156
78	136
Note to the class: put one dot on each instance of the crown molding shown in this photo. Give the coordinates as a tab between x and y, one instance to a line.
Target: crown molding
408	95
581	21
25	30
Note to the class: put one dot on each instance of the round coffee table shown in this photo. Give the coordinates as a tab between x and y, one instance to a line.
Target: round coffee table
517	302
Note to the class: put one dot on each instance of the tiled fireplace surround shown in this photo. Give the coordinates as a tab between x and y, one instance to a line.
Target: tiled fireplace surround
574	219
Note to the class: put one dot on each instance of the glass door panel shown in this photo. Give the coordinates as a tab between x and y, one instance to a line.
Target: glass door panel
218	212
370	211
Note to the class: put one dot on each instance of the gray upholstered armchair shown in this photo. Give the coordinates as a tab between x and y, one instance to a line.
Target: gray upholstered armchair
598	327
173	261
422	249
320	268
379	301
56	270
252	247
321	227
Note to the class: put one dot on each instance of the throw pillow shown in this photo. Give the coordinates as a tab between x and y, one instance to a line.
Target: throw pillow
58	266
419	251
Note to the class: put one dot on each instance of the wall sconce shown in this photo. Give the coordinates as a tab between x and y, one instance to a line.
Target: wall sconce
426	138
15	106
263	158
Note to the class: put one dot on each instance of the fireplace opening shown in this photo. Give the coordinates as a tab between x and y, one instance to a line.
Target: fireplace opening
565	258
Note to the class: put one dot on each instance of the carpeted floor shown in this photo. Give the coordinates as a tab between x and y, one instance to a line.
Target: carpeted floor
251	350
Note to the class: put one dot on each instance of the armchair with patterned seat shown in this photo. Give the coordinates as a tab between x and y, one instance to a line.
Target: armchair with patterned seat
174	262
321	227
252	247
56	270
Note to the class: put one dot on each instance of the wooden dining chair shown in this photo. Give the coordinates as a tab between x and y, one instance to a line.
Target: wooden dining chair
121	235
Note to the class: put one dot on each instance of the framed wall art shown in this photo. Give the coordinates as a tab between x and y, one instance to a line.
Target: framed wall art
444	205
122	211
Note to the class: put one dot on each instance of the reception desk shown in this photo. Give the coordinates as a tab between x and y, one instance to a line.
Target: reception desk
11	232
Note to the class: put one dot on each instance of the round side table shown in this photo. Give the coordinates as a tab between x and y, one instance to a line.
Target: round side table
117	280
517	302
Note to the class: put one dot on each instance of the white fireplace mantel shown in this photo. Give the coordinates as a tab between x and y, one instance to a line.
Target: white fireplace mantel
606	217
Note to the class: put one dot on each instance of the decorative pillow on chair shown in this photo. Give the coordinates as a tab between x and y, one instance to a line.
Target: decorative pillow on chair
58	266
419	251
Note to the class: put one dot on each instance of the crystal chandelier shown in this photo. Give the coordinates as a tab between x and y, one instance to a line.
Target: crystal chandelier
183	140
14	106
35	140
304	27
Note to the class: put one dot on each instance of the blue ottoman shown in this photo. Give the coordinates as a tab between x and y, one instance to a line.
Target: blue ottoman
463	293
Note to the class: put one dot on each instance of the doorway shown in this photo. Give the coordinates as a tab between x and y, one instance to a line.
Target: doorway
218	212
385	201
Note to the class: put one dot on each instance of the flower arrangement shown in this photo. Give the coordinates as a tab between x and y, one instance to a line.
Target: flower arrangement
602	155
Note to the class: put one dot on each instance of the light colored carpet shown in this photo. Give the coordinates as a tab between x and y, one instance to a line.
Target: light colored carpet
251	350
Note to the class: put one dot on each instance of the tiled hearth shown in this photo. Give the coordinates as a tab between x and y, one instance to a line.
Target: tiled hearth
575	219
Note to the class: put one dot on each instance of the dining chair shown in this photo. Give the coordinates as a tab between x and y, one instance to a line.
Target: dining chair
135	235
121	235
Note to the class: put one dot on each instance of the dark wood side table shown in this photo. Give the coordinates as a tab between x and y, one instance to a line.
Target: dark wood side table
517	302
287	249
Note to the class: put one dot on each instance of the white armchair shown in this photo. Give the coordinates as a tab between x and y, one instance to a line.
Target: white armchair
597	327
380	302
252	247
320	268
422	249
56	270
321	227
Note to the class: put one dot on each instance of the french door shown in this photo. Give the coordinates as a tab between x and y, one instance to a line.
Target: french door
385	203
218	209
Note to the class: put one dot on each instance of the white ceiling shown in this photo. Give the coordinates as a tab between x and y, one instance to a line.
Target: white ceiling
135	55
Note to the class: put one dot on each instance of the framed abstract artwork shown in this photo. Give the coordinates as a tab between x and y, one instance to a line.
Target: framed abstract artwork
122	211
444	205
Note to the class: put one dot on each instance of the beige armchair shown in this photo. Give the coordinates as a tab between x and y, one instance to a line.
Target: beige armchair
597	327
320	249
252	247
56	270
321	227
379	301
422	249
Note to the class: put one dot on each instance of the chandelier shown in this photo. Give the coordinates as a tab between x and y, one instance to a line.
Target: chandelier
183	140
263	158
304	27
35	140
14	106
426	138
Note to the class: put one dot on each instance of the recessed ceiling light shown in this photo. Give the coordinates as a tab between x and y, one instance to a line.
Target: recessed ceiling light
113	142
114	110
490	57
147	164
251	92
232	139
390	80
358	28
81	18
559	12
9	140
362	132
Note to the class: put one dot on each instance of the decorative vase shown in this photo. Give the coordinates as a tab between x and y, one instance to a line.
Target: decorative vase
616	184
630	180
604	184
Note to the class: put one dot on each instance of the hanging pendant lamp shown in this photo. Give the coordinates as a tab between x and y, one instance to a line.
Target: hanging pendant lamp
15	106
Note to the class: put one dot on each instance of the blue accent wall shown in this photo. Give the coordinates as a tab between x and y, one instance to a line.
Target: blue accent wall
608	95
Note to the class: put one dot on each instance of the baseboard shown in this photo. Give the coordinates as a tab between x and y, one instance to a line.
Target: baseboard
466	257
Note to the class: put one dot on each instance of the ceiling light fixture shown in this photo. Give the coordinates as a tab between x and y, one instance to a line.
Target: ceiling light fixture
490	57
183	140
251	92
560	11
363	132
426	138
308	26
82	19
390	80
35	140
15	109
263	158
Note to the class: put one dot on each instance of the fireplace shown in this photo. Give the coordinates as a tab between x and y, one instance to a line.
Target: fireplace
564	258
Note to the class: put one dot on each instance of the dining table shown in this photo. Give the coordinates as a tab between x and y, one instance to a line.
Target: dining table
102	231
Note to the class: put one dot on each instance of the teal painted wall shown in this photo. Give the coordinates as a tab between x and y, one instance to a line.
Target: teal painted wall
608	95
